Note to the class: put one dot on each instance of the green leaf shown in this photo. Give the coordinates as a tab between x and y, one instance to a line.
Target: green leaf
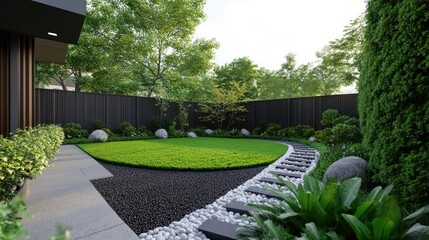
383	228
349	190
373	194
361	230
418	231
413	217
312	232
363	209
330	195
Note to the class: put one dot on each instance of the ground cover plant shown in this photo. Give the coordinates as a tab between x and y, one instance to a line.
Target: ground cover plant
188	153
333	210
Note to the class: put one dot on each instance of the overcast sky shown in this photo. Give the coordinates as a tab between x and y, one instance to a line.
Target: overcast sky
266	30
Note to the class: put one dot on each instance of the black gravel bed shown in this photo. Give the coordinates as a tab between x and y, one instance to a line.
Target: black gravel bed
146	199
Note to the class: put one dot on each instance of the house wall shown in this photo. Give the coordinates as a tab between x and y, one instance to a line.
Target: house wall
16	81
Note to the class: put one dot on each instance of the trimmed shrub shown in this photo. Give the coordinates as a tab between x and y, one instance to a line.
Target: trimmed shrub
127	129
97	124
107	131
25	154
257	131
346	134
234	132
358	150
74	130
393	96
352	122
329	117
272	129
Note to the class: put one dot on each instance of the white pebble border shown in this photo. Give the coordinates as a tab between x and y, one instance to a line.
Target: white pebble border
186	228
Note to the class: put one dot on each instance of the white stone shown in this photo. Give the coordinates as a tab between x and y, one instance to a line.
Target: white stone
208	131
312	139
245	132
192	135
98	135
161	133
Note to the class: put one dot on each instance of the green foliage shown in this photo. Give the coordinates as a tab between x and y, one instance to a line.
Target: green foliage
272	129
199	131
157	122
329	117
394	99
25	154
114	138
127	129
107	131
328	155
11	214
188	153
62	234
358	150
299	131
225	108
176	133
97	124
345	134
315	210
74	130
241	71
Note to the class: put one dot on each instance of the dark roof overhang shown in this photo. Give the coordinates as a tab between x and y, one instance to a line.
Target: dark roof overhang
54	23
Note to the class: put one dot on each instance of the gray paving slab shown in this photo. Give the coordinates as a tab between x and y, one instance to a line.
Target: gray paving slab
64	195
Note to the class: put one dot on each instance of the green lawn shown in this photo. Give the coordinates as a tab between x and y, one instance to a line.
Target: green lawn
188	153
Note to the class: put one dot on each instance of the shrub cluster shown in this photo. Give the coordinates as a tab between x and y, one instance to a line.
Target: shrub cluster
340	129
74	130
25	154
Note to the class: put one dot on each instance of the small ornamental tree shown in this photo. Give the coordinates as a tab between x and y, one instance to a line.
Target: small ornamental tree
394	96
226	107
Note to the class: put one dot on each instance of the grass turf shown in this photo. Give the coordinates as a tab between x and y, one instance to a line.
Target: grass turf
188	153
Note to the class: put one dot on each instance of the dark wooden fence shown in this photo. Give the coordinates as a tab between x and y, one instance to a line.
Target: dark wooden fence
61	107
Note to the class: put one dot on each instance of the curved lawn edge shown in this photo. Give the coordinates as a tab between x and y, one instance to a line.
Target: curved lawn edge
264	146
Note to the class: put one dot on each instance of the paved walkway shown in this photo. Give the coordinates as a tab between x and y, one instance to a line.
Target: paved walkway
64	194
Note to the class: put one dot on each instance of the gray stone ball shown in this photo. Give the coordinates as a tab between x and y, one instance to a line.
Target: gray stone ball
346	168
98	135
208	131
161	133
192	135
312	139
245	132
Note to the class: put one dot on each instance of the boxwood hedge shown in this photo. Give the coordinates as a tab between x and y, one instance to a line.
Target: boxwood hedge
25	154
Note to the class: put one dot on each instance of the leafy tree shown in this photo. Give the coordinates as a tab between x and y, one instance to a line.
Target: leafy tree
46	72
241	71
162	48
290	81
225	108
339	63
393	96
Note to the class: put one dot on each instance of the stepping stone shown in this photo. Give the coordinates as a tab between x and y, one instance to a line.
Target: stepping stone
300	151
306	155
290	168
298	160
302	156
271	180
261	191
238	207
287	174
296	163
217	230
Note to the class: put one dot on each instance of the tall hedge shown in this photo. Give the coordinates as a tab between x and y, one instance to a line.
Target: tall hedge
394	96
